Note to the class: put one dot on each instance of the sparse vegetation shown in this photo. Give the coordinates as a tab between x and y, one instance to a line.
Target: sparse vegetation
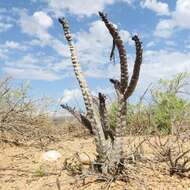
40	172
170	109
133	143
22	118
167	112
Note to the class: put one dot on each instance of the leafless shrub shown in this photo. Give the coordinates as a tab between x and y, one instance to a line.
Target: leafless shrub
173	151
179	164
21	118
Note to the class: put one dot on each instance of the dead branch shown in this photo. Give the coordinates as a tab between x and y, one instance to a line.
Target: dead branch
104	117
136	69
121	48
82	119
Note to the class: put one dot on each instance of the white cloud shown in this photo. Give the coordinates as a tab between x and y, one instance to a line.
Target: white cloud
160	64
64	66
3	53
107	90
37	42
170	43
13	45
182	13
156	65
42	19
128	1
6	21
98	36
31	67
10	46
164	64
91	57
94	52
111	70
165	28
36	25
188	46
59	47
150	44
71	95
26	61
29	73
5	26
126	36
157	6
81	7
179	19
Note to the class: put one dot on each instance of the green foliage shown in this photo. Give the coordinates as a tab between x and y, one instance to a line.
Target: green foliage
167	109
138	120
113	114
21	92
40	172
22	117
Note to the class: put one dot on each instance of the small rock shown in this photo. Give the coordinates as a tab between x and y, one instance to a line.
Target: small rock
51	155
85	159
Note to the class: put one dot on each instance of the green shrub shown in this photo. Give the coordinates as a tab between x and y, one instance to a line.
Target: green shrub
169	110
113	114
137	118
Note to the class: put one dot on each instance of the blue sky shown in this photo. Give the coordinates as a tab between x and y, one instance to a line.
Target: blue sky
32	45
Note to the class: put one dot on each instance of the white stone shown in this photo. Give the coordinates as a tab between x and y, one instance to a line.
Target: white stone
51	155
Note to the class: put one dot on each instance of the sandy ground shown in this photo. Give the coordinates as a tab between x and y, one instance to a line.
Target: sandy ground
22	168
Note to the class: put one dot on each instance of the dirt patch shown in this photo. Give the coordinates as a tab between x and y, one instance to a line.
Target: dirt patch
22	168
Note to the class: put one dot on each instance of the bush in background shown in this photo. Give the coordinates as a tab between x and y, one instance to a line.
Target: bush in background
21	117
167	112
170	109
